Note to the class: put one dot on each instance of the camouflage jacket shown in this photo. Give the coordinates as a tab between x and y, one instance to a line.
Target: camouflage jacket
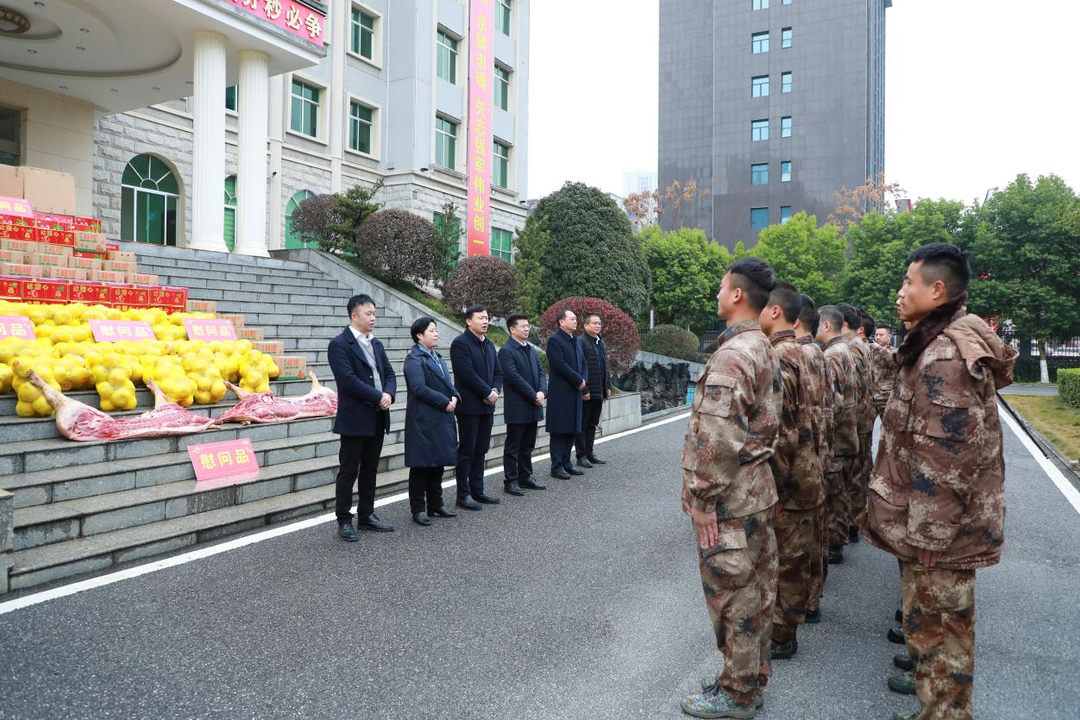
841	372
796	464
864	383
732	427
938	483
883	361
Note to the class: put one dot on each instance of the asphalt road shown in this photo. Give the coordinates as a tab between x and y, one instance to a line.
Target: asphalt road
581	601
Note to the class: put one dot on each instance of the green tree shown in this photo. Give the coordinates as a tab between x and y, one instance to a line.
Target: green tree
808	256
446	246
686	270
592	250
531	244
350	210
1023	244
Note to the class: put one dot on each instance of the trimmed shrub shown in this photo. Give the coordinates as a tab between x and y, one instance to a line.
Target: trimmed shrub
482	280
671	341
311	221
1069	386
620	333
396	246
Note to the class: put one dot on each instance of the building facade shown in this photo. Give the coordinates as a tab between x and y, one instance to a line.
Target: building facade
773	105
378	92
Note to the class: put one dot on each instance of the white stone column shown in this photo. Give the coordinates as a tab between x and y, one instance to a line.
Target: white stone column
251	176
208	162
276	209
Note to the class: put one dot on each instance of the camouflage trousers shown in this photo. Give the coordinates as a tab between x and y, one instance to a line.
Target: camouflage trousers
939	626
739	579
860	477
797	546
819	561
838	498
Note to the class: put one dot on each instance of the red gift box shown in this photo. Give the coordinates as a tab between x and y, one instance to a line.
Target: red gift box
86	223
47	291
169	297
11	288
129	296
57	237
89	293
16	231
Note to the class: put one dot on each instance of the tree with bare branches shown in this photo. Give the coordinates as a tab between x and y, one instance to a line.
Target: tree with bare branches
852	205
648	208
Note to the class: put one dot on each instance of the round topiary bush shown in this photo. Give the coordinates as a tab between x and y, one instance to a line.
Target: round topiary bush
311	221
672	342
396	245
482	280
1069	386
619	332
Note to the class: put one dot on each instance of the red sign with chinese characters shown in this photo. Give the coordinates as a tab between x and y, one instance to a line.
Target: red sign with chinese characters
129	296
46	291
14	231
223	463
116	330
16	326
288	15
168	297
11	288
90	293
481	120
209	329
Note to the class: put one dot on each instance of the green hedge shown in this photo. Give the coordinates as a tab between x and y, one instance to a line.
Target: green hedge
1027	369
1069	386
671	341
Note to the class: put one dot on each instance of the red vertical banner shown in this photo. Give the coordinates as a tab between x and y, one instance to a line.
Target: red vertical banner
481	94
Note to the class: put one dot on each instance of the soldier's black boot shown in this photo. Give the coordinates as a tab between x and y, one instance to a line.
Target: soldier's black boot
903	659
903	683
836	556
813	617
853	534
896	635
783	650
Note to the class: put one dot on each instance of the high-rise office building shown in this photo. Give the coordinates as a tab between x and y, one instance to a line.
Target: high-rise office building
773	105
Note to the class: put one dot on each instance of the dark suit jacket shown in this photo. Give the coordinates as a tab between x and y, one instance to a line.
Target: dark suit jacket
524	377
430	431
596	357
476	373
358	399
568	371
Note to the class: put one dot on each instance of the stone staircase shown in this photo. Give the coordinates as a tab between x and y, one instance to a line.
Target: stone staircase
82	507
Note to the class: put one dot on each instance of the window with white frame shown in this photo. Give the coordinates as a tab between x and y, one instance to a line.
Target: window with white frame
446	143
785	214
785	126
759	4
785	171
785	38
500	168
304	115
502	88
759	86
759	130
785	82
361	127
502	244
759	174
363	33
446	62
502	17
759	43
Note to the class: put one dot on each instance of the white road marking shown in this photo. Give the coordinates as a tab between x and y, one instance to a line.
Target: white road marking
114	577
1067	488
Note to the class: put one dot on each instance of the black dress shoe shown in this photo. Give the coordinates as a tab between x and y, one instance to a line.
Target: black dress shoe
513	489
584	462
531	484
468	503
421	518
895	635
562	475
443	512
574	471
346	532
372	522
597	461
487	499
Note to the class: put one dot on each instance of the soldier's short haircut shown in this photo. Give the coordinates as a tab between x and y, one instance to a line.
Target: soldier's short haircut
756	278
808	315
357	300
867	322
474	310
832	315
944	262
514	320
851	315
886	327
788	298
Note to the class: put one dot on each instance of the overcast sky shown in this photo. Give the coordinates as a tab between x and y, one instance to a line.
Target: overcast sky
976	92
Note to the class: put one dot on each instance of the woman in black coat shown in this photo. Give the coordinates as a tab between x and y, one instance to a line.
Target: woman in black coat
430	429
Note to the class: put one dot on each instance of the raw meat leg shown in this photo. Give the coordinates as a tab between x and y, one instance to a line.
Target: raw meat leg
265	407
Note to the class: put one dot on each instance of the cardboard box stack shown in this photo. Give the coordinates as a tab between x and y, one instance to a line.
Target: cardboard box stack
44	245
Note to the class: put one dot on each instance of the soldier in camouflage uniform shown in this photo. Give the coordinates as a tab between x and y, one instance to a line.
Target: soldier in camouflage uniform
796	465
840	366
936	499
729	491
883	358
864	381
821	400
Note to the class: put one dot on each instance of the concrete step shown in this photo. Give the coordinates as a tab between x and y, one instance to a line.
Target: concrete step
46	563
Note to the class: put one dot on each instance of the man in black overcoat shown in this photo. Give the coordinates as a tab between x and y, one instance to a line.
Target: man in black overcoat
479	379
569	378
526	390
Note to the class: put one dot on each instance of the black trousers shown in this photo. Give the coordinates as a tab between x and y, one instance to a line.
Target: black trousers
474	440
561	447
359	460
590	419
517	452
425	489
